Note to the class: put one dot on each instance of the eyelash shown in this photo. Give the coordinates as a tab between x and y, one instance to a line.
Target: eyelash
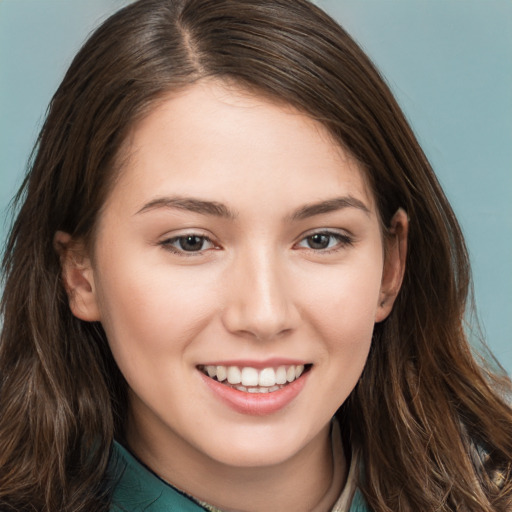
343	240
168	244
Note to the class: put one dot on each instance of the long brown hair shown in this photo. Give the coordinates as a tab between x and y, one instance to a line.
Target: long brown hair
433	427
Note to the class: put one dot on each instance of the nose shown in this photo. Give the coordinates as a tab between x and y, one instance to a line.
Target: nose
260	299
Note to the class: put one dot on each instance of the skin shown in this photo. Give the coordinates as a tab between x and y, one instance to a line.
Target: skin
256	290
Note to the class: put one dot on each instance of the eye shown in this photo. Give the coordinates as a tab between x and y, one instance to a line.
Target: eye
188	243
325	241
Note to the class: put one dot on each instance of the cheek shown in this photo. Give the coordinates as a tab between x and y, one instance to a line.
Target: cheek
342	303
148	311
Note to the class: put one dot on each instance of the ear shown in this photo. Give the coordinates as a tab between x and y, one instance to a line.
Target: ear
395	252
77	276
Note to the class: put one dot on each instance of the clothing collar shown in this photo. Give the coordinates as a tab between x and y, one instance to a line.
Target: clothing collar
137	488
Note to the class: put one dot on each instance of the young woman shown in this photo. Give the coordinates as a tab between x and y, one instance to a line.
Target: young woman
234	283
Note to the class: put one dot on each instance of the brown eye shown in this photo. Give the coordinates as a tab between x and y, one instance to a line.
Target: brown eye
191	243
188	244
325	241
319	241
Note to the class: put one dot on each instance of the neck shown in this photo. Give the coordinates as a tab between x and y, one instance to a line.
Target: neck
310	480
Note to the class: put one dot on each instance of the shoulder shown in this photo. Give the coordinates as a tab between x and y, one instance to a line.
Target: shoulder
358	503
138	489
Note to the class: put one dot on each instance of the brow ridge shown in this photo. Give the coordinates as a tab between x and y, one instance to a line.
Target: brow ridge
190	204
217	209
328	206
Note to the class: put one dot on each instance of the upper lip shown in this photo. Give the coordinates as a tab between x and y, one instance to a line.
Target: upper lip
267	363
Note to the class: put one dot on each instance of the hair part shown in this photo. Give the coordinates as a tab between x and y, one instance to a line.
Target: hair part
433	431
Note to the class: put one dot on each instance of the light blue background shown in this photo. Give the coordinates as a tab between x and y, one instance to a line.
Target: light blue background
449	62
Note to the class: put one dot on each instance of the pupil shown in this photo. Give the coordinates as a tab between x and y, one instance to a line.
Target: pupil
318	241
191	243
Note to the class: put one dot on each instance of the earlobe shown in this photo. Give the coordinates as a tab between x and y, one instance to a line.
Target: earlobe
395	254
77	277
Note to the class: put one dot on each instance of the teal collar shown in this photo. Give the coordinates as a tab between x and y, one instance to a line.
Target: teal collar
138	489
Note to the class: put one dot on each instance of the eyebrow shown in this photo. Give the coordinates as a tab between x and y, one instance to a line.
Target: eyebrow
190	204
217	209
328	206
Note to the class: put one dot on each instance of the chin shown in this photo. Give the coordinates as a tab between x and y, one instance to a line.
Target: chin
260	447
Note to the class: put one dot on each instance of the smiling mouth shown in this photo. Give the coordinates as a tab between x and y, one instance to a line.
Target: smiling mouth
251	380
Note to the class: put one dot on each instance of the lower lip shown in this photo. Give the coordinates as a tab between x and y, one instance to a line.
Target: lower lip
256	404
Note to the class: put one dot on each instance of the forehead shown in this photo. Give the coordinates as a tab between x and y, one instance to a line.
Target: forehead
229	144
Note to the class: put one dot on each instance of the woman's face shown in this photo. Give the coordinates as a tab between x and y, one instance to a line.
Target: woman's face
241	244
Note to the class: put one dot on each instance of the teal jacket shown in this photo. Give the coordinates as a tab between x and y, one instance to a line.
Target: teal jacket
137	489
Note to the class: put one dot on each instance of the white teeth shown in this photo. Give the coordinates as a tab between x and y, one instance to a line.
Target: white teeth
221	373
267	377
281	375
234	375
255	390
250	376
251	380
